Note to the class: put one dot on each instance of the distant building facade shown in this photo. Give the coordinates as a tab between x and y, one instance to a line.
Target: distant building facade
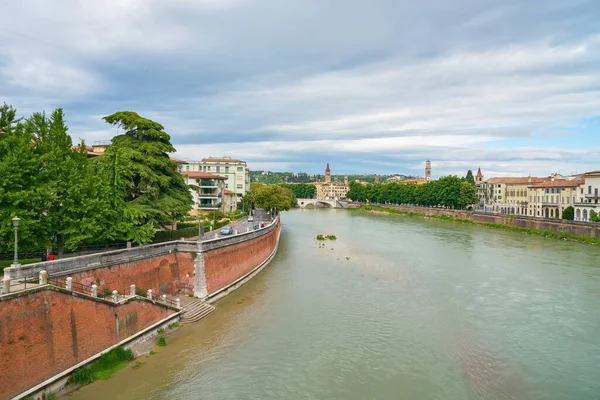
235	172
329	190
588	196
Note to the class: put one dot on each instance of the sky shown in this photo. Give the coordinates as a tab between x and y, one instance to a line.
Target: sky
373	87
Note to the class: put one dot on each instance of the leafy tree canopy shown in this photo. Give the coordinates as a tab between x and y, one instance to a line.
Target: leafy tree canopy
568	213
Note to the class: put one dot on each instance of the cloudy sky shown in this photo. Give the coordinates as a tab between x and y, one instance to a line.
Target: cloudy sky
372	86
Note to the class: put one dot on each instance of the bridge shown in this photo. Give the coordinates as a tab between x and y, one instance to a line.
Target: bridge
303	203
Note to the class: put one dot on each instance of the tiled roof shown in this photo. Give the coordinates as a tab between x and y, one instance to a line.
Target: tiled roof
178	160
227	191
221	159
517	181
202	175
559	183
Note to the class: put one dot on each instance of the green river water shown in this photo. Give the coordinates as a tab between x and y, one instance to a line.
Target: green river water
395	308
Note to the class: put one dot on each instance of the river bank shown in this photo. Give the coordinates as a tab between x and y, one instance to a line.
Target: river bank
448	216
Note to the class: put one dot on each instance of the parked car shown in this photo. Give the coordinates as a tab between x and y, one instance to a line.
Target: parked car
227	231
250	218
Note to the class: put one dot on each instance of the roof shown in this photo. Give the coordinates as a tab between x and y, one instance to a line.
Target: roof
227	191
559	183
596	172
178	160
222	159
517	180
202	175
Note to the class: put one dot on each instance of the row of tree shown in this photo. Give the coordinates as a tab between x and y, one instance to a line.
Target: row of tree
66	199
301	190
448	191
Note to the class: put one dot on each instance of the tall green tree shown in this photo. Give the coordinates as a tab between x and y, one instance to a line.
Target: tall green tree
20	193
153	193
65	182
469	178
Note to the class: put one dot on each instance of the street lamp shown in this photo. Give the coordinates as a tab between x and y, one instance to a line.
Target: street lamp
15	222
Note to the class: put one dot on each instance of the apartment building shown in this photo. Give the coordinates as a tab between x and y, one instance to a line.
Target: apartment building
235	172
550	198
588	196
209	191
506	195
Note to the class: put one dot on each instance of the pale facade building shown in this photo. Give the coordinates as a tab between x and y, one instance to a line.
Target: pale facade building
550	198
588	196
506	195
329	190
208	194
235	172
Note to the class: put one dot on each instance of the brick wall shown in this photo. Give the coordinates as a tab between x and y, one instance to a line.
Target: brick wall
45	332
170	274
227	264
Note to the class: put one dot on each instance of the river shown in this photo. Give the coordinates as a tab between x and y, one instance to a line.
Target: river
395	308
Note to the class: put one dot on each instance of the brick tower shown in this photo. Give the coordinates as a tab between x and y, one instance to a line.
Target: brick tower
346	180
479	177
428	170
327	174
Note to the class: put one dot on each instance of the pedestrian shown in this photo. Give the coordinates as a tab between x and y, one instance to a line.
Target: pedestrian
50	257
44	256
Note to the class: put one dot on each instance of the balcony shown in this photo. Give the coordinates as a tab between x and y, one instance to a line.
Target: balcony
550	204
592	196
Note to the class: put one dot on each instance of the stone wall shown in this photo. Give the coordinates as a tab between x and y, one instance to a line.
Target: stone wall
558	226
47	330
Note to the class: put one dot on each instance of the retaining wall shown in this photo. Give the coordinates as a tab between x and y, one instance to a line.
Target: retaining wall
47	330
558	226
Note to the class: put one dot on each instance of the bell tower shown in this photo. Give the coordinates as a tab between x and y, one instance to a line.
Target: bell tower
428	170
327	174
479	177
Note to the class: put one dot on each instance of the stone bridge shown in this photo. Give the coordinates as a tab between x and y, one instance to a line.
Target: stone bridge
302	203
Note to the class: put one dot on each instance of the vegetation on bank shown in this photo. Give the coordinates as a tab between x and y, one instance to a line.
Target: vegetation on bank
104	367
448	191
556	235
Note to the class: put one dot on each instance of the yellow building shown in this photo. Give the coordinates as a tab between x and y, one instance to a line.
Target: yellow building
331	190
549	199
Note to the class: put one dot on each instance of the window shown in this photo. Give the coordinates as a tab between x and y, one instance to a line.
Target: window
187	167
218	169
568	200
240	186
240	177
240	169
589	190
226	169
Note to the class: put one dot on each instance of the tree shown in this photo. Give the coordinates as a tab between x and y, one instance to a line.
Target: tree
67	219
568	213
469	178
594	216
301	190
153	194
273	197
19	184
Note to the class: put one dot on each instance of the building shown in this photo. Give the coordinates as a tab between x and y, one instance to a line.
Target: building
506	195
235	172
229	201
479	177
209	191
588	196
428	170
550	198
329	190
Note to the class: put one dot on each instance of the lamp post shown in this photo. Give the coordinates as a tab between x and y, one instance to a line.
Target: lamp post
15	222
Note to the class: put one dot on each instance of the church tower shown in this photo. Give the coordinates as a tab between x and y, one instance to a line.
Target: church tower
376	179
479	177
346	180
327	174
428	171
